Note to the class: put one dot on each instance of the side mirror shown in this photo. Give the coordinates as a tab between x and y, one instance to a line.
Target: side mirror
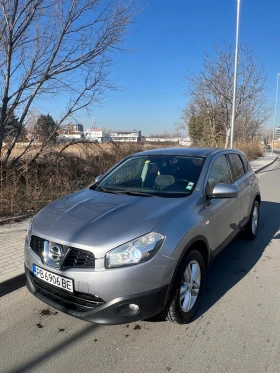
98	178
224	191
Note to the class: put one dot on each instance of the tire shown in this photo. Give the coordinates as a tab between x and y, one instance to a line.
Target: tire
175	310
252	227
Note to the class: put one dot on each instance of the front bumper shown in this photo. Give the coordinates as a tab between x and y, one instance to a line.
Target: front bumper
96	310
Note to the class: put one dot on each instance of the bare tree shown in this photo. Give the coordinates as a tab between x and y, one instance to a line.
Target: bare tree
209	108
54	47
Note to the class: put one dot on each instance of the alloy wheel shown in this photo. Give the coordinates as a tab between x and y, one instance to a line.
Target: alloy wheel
190	286
255	219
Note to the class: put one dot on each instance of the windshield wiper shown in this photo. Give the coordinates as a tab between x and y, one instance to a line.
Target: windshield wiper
98	188
117	191
134	193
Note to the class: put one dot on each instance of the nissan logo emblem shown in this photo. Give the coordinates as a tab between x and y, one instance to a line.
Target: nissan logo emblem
53	254
56	253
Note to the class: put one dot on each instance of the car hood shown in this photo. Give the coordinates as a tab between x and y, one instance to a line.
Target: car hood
98	221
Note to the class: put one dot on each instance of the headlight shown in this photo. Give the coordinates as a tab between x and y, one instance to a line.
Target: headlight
137	251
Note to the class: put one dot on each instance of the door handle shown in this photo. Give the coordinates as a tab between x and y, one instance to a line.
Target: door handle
251	182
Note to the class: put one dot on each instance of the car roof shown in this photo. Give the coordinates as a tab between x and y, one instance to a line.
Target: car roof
197	152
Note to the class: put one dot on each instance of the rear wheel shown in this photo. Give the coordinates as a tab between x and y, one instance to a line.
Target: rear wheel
187	288
252	227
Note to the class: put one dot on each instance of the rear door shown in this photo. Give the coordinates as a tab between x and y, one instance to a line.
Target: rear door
243	181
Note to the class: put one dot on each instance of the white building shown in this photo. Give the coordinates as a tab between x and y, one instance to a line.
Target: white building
178	140
63	135
185	141
163	139
97	136
126	136
73	127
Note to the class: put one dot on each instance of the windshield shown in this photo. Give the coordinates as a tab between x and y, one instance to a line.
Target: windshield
154	175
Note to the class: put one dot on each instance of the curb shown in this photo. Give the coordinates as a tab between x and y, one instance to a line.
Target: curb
263	167
15	219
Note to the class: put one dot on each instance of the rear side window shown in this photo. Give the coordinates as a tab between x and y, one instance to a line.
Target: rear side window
245	163
237	165
219	174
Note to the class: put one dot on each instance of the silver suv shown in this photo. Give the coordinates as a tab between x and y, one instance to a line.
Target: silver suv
137	242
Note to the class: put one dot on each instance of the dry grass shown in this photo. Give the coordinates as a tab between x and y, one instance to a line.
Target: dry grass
28	187
85	149
276	145
252	149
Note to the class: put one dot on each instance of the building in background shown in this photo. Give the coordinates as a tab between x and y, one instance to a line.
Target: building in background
163	139
73	127
62	135
126	136
277	133
96	135
184	141
70	132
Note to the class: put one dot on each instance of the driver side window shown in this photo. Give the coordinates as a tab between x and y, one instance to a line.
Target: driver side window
220	174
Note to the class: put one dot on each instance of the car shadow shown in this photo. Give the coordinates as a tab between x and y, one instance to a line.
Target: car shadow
238	259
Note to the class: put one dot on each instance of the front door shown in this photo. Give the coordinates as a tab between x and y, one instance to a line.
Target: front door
223	212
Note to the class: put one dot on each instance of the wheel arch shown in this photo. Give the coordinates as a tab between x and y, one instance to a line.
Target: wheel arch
258	198
198	243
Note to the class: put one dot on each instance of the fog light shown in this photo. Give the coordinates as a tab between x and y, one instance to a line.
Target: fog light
127	310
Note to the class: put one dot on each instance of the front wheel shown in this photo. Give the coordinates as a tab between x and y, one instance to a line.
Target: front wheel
252	227
187	288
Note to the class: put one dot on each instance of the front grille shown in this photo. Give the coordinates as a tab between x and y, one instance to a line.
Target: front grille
79	258
78	302
37	245
76	258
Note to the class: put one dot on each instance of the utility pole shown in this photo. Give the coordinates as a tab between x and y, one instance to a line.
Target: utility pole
275	111
235	76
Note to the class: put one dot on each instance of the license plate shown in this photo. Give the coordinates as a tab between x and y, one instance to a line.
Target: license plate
53	279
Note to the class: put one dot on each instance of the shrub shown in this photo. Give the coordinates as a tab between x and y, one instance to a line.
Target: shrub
252	149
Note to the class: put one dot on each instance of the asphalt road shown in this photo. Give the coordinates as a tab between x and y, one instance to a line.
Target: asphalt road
236	330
